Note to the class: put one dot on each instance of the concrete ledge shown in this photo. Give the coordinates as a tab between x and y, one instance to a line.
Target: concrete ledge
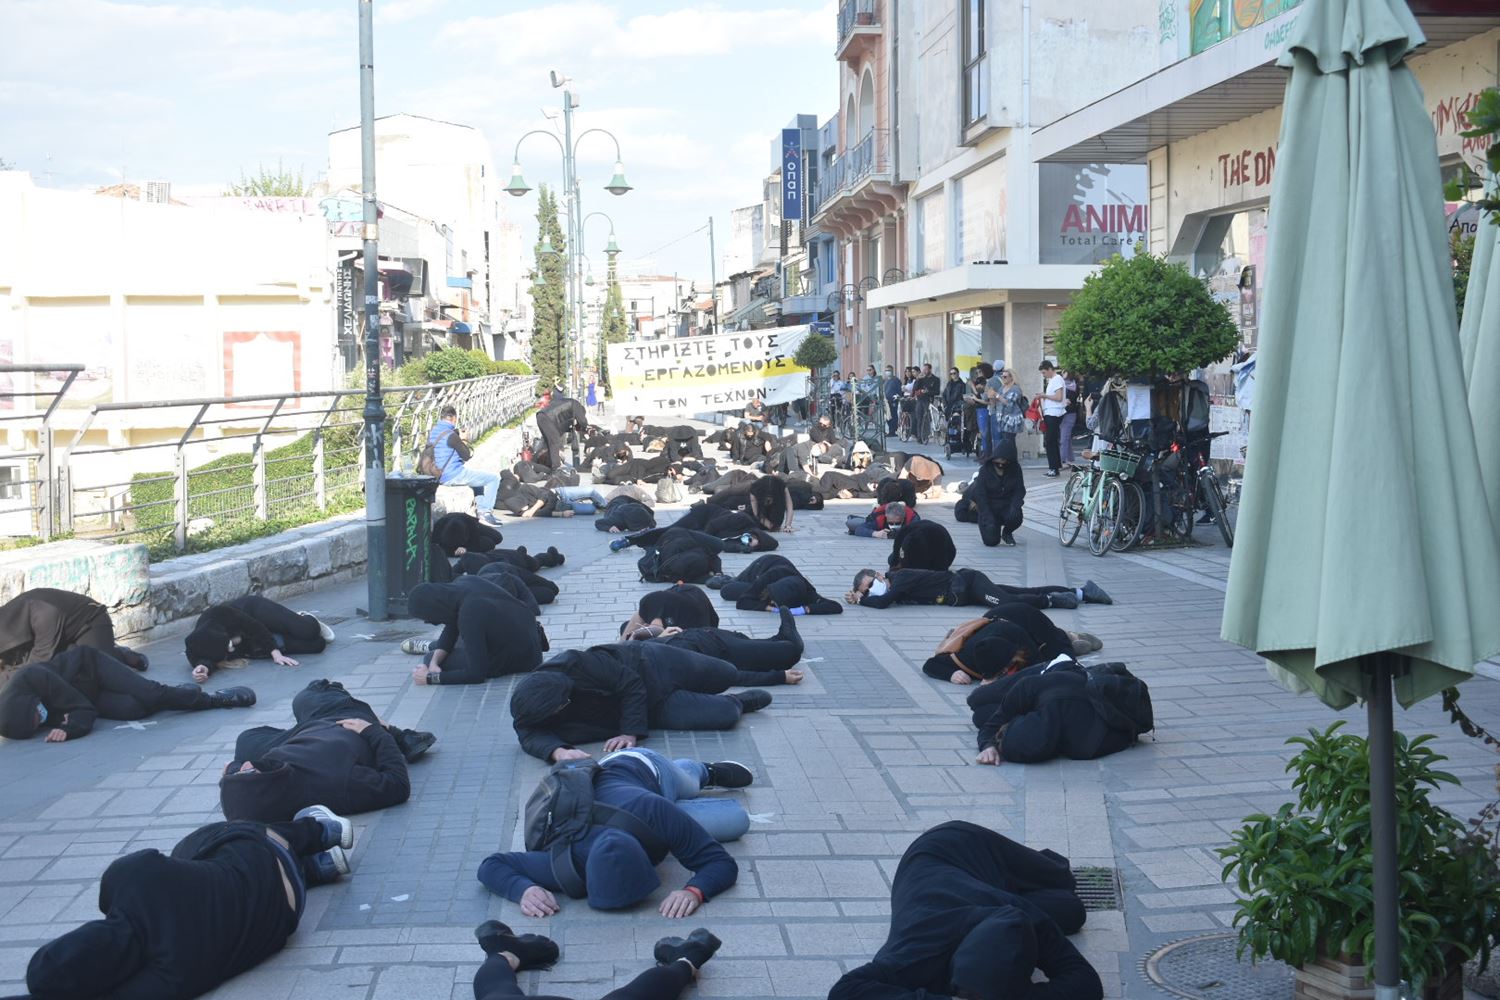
113	575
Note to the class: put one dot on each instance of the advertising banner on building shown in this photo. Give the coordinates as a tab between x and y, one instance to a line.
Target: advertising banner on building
791	174
1092	211
687	375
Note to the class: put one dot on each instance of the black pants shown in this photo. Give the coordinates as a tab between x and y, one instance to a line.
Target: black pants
678	447
759	662
126	695
698	701
1051	641
482	636
1051	435
299	633
893	408
973	587
322	699
496	981
304	838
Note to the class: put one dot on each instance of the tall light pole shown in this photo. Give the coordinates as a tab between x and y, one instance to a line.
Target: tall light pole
572	194
374	414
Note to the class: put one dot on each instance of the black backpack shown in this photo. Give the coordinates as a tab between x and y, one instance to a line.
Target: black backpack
685	566
561	811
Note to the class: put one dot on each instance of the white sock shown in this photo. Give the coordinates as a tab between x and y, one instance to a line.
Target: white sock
1079	592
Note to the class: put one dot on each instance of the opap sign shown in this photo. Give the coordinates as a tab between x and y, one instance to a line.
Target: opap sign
791	175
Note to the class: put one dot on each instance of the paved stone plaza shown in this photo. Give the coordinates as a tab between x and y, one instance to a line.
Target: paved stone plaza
850	767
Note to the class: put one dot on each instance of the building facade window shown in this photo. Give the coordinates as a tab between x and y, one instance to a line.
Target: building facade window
976	83
979	213
932	232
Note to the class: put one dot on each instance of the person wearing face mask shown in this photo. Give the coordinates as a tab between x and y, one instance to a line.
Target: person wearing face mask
339	753
994	499
975	915
252	628
962	587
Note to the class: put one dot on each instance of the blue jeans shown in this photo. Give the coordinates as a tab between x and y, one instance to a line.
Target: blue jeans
583	499
724	819
982	418
473	477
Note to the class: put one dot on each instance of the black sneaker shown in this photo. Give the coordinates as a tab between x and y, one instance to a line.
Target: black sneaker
1064	599
1094	594
1207	518
728	774
717	581
1007	538
752	700
698	947
533	950
413	743
235	697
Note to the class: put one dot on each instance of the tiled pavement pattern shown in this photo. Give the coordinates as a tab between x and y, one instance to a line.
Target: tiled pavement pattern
851	766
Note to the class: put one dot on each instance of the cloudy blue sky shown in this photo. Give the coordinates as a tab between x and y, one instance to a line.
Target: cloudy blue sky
195	91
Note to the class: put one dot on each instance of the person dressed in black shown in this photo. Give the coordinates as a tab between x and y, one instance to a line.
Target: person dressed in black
761	662
928	390
619	693
751	444
68	693
506	953
542	475
823	431
678	555
526	500
560	420
473	562
994	499
624	513
542	590
38	624
1060	709
339	753
797	458
458	533
975	914
487	632
681	441
175	926
733	529
1007	639
772	582
853	484
962	587
680	605
252	628
922	545
890	387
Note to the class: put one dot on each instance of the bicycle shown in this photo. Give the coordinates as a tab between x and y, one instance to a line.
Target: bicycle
1217	497
1103	496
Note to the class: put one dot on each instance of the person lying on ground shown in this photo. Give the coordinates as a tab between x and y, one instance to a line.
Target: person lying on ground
761	662
487	632
1060	709
885	520
541	589
612	864
252	628
894	488
534	474
680	605
767	500
994	499
473	562
619	693
679	555
922	545
458	533
772	582
924	472
678	963
37	624
860	484
681	440
68	693
523	500
797	458
975	914
734	481
734	530
962	587
625	513
1007	639
339	753
176	926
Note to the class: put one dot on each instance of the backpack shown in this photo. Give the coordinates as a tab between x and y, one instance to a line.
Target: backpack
686	566
427	462
560	812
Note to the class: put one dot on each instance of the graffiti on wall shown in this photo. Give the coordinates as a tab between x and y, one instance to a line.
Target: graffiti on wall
1212	21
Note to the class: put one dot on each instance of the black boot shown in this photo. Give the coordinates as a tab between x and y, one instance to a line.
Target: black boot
235	697
698	947
752	700
532	950
132	659
411	742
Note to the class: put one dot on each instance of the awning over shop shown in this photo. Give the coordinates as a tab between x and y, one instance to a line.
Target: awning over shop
754	311
1235	79
974	285
459	326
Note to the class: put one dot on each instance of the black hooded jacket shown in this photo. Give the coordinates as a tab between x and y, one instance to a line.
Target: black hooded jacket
581	696
452	532
775	580
1044	712
64	685
974	912
684	606
995	498
625	513
442	603
923	545
914	586
317	762
1013	629
38	623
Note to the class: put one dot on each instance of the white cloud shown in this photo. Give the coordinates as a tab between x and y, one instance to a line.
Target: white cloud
398	11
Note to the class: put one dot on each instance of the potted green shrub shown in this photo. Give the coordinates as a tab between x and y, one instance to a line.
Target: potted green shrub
1305	873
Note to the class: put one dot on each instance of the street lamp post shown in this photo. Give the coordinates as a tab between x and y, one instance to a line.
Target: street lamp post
573	198
612	251
374	414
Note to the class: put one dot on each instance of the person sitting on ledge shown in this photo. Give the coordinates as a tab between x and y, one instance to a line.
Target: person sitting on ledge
68	693
252	628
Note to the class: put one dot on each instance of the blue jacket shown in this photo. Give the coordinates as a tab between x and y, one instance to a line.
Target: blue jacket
448	450
617	871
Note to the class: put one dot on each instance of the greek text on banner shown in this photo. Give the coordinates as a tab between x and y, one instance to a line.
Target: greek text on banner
687	375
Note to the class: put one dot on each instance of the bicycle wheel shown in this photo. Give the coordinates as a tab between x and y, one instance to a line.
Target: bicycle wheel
903	427
1215	501
1104	521
1132	516
1180	509
1070	516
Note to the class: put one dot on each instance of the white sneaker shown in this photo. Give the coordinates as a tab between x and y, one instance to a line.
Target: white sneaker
325	631
416	646
327	815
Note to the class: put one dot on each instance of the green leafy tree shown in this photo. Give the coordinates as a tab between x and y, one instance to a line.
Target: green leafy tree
1484	126
268	183
549	325
1461	248
816	351
1143	317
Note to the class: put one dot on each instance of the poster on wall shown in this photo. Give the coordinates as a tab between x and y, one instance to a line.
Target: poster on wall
688	375
262	363
1092	211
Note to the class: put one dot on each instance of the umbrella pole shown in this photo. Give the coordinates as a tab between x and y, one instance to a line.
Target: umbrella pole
1383	828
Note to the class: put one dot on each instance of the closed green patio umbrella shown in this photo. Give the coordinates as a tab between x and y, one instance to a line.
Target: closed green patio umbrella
1480	335
1364	548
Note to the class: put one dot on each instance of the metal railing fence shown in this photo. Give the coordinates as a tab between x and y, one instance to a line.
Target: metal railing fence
869	158
856	14
222	461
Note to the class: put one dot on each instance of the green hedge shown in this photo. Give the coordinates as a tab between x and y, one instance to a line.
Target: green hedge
452	365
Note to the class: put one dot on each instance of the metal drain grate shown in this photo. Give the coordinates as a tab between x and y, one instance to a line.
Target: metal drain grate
394	635
1099	888
1205	968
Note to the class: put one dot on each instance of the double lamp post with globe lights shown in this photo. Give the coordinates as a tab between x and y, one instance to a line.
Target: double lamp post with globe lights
575	217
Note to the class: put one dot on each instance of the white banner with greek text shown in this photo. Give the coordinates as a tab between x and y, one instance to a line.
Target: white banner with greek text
687	375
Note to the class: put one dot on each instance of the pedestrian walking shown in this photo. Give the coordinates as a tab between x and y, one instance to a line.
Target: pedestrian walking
891	389
1054	405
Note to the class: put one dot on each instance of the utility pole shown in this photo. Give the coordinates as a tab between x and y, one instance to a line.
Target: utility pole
374	412
713	278
575	260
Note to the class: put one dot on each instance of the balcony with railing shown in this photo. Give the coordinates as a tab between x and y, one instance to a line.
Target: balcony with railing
857	188
859	29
